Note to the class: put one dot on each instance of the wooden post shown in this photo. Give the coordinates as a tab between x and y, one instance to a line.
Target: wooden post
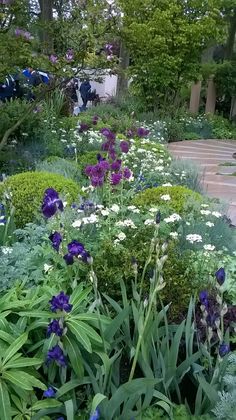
195	97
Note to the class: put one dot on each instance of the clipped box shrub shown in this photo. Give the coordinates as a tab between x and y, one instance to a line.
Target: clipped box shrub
28	188
181	198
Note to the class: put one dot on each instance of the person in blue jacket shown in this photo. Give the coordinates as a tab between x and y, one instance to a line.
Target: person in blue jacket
85	90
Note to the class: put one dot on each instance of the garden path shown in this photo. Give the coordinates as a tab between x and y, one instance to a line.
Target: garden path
217	164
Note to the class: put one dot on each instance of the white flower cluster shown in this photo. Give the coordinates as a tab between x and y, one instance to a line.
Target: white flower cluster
172	218
192	238
126	223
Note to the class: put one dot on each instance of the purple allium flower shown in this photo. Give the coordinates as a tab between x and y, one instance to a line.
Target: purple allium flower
51	203
223	349
60	302
54	328
95	415
56	240
158	217
99	157
130	133
124	146
142	132
88	170
203	297
97	181
49	393
68	259
75	248
56	354
220	276
127	173
83	127
108	134
116	178
104	165
112	153
116	165
69	55
53	58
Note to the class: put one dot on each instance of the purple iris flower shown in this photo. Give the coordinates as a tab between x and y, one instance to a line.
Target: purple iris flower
220	276
124	146
203	297
54	328
60	302
56	240
75	248
95	415
51	203
116	165
56	354
49	393
116	178
142	132
86	257
69	55
127	173
69	259
223	349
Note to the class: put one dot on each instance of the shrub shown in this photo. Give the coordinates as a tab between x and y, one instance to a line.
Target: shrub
182	198
27	192
88	158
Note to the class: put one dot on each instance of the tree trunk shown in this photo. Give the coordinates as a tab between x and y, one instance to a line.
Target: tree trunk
231	37
46	17
122	82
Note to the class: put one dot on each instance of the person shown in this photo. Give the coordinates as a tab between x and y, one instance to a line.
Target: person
85	89
8	89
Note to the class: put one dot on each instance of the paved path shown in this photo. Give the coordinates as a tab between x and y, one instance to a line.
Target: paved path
209	155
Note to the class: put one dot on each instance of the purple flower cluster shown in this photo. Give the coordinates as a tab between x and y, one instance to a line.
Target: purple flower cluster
55	354
60	303
83	127
142	132
24	34
76	250
53	59
70	54
54	327
51	203
95	120
56	240
124	146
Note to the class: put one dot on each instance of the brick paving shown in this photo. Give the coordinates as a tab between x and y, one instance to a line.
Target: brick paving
209	155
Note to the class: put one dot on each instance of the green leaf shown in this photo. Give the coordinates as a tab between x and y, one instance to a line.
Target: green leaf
23	362
74	383
78	296
69	410
115	324
49	403
23	380
6	337
208	389
14	347
80	335
74	355
97	399
5	405
37	314
87	329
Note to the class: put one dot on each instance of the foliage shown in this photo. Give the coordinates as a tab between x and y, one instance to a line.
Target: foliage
27	191
163	62
69	169
226	407
178	201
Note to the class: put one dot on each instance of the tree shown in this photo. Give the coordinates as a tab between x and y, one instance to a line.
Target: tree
165	39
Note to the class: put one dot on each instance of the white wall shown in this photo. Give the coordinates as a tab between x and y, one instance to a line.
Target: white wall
105	89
